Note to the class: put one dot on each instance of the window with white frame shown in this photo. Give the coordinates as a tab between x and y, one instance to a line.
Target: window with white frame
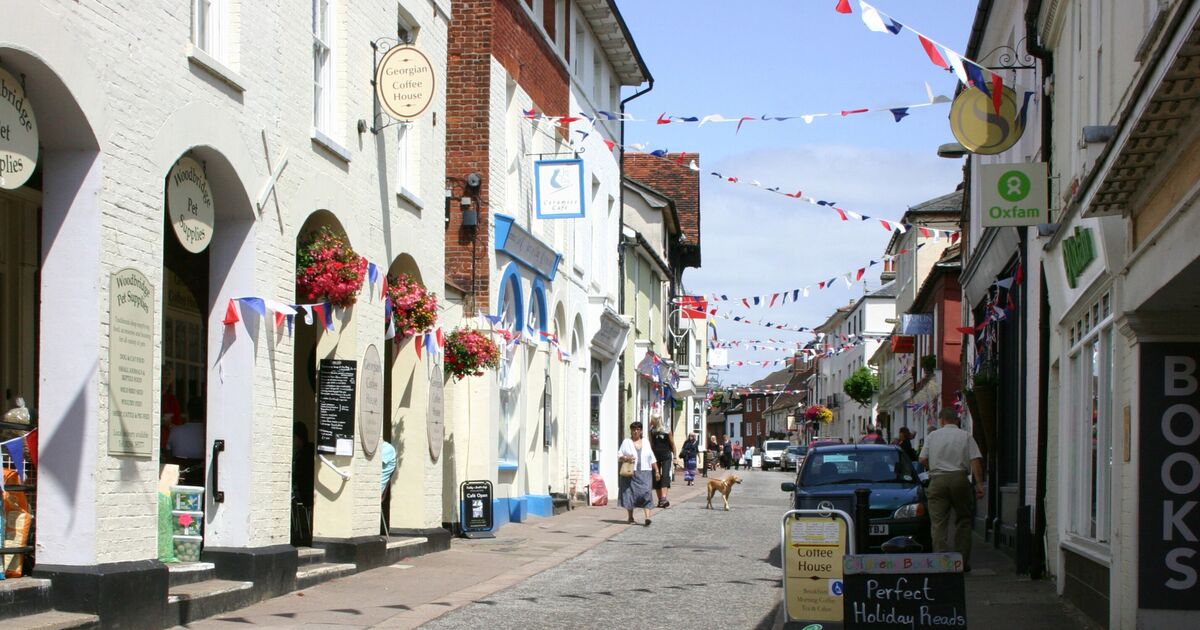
323	58
1090	418
406	132
208	27
578	50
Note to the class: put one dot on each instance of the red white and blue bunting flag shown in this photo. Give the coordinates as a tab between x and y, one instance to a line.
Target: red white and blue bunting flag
787	361
897	112
968	72
759	347
15	448
780	298
843	213
772	325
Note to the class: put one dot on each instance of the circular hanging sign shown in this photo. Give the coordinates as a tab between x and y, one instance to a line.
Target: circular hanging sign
370	400
435	424
190	205
18	134
976	126
404	83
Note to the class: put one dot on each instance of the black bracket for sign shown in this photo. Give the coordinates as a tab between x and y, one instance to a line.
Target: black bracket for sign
380	47
217	449
1010	59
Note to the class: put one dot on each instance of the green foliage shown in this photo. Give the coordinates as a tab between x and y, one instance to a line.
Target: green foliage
861	386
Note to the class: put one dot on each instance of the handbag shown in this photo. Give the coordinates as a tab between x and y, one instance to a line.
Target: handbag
626	469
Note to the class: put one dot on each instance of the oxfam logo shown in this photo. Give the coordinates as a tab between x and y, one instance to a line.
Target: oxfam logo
1013	186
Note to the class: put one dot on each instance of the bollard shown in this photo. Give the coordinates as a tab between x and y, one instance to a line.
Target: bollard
862	518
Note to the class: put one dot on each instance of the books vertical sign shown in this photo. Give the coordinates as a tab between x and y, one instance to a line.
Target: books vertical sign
130	364
335	406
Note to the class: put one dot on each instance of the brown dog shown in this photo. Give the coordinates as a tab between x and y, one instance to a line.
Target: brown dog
724	486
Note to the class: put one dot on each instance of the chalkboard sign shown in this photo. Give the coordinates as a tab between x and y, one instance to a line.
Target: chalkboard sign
476	507
335	406
910	591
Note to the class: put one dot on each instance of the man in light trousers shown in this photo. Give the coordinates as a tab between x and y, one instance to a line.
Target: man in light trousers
949	454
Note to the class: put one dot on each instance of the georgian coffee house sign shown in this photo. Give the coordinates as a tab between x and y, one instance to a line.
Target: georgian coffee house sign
404	83
18	134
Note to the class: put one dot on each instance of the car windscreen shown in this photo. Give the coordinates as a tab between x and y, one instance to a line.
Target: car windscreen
775	446
798	450
858	466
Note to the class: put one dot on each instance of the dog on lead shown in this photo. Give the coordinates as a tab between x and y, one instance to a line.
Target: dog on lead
724	486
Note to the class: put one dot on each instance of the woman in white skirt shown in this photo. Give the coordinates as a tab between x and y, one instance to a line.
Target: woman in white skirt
638	490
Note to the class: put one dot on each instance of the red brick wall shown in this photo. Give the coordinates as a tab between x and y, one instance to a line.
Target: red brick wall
677	181
480	30
949	296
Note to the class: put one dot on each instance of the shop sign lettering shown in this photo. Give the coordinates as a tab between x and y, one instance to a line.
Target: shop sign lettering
404	83
190	205
1078	254
1013	194
18	134
1169	476
130	364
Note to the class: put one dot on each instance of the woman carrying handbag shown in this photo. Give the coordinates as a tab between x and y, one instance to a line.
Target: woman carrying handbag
638	470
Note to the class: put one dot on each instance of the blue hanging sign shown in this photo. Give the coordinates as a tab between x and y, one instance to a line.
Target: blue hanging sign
558	189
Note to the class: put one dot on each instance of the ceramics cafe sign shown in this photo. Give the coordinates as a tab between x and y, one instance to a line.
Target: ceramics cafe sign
18	134
190	205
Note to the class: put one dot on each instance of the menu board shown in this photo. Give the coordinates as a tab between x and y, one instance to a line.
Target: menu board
130	364
812	569
476	506
910	591
335	406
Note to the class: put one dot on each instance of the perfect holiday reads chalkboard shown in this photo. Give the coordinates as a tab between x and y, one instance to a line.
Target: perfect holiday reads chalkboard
910	591
335	406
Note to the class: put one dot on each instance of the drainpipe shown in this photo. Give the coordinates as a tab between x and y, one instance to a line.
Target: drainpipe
621	261
1037	561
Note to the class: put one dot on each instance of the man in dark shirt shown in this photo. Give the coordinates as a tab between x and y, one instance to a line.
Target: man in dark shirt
906	443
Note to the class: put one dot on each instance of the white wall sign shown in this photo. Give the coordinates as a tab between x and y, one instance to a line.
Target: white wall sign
558	189
190	204
370	400
18	134
1013	194
130	364
435	422
404	83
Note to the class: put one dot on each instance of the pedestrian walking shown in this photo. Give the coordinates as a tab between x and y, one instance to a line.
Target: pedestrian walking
637	473
905	443
950	453
713	454
727	453
662	443
737	455
688	455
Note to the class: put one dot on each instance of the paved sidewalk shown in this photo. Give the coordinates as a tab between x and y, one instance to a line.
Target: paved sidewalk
417	590
999	598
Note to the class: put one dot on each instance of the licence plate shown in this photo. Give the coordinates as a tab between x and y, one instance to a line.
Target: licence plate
878	530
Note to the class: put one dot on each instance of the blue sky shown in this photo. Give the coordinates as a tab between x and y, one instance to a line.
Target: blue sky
778	57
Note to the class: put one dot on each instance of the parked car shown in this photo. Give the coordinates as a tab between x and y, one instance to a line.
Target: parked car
793	457
772	453
897	504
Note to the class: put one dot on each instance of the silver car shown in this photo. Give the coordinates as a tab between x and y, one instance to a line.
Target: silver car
793	457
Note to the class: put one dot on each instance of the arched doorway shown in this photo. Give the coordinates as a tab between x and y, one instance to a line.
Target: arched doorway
557	395
511	314
406	399
205	366
320	477
540	403
50	289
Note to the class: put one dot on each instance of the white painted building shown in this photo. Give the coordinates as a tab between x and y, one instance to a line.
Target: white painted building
851	336
122	94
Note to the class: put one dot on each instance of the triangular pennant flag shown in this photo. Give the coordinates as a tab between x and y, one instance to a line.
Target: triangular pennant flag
328	316
231	316
956	65
430	345
31	439
372	273
843	6
975	73
899	113
871	18
16	452
663	119
441	339
858	276
291	319
417	344
256	304
997	92
774	297
932	51
383	290
610	144
279	318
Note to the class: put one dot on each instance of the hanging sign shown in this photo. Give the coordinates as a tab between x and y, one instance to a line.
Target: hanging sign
190	205
558	189
435	427
370	400
130	364
404	83
1078	254
1013	194
1168	441
523	246
335	406
977	126
18	134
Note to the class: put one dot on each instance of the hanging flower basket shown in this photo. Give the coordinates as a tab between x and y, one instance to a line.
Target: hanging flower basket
469	352
327	269
818	413
413	308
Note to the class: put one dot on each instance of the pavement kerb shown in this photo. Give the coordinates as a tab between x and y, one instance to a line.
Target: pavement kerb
457	599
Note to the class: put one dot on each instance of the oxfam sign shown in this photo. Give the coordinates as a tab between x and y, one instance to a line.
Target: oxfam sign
1013	194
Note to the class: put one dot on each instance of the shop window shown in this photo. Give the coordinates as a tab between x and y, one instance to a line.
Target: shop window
323	58
1090	424
208	27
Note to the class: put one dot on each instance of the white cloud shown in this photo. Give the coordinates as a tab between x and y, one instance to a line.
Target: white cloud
757	242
